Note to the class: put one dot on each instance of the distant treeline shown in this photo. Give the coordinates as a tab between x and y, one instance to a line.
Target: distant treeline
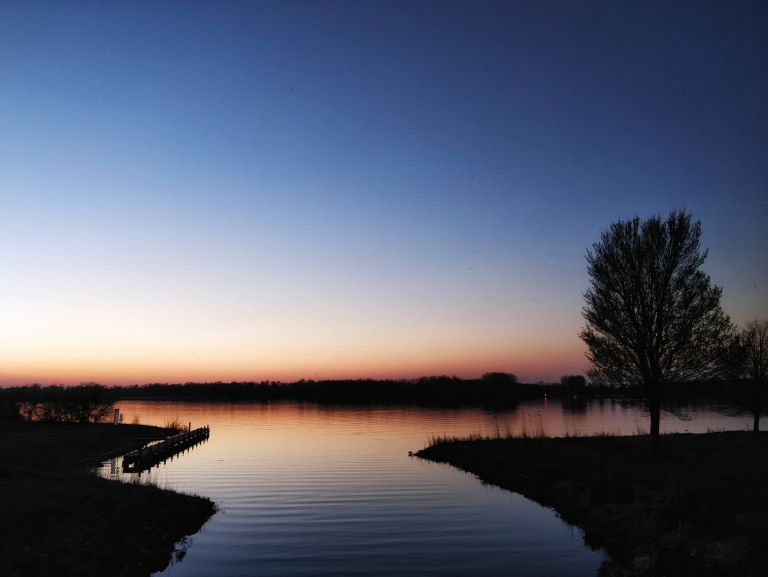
87	403
35	402
92	402
492	389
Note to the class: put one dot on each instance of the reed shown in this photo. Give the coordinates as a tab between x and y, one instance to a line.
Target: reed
175	425
531	427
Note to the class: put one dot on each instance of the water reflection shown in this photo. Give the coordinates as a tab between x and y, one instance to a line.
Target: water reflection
314	490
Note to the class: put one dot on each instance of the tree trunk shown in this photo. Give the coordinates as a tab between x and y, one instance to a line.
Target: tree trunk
756	422
655	410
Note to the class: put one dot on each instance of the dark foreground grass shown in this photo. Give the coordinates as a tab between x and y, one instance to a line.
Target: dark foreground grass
700	509
58	518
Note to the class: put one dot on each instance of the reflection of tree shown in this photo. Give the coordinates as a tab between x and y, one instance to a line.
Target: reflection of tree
576	405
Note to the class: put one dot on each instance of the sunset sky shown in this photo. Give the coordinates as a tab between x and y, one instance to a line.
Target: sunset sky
286	190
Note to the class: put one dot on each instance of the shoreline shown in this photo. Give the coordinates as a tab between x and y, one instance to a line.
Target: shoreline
439	391
699	509
59	518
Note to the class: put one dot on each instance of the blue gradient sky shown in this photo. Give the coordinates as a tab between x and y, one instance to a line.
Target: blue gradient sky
195	191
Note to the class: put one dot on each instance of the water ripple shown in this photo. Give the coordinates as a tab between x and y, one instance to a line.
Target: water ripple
307	490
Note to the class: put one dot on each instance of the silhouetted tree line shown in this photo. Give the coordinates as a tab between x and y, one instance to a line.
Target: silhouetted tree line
86	403
492	389
93	402
575	384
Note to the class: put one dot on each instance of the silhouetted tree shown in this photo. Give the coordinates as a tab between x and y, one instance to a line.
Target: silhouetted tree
652	316
754	343
574	383
89	402
499	378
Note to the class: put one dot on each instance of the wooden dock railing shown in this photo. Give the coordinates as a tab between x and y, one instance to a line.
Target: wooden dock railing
143	458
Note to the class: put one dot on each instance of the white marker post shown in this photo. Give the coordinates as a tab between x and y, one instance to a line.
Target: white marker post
117	417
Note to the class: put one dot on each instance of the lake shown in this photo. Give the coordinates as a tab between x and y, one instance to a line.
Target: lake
316	490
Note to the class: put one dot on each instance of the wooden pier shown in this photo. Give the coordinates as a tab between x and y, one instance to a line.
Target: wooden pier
145	457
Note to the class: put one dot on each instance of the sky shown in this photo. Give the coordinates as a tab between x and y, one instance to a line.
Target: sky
285	190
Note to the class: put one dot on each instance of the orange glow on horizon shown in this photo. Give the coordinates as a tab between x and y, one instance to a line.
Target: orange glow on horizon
120	351
529	366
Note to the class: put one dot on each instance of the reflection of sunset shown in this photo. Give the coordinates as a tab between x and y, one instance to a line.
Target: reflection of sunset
298	483
289	426
278	450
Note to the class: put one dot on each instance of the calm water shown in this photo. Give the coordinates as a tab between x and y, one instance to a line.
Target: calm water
308	490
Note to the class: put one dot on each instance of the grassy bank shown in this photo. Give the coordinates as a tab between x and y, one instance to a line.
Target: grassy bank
60	519
701	509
